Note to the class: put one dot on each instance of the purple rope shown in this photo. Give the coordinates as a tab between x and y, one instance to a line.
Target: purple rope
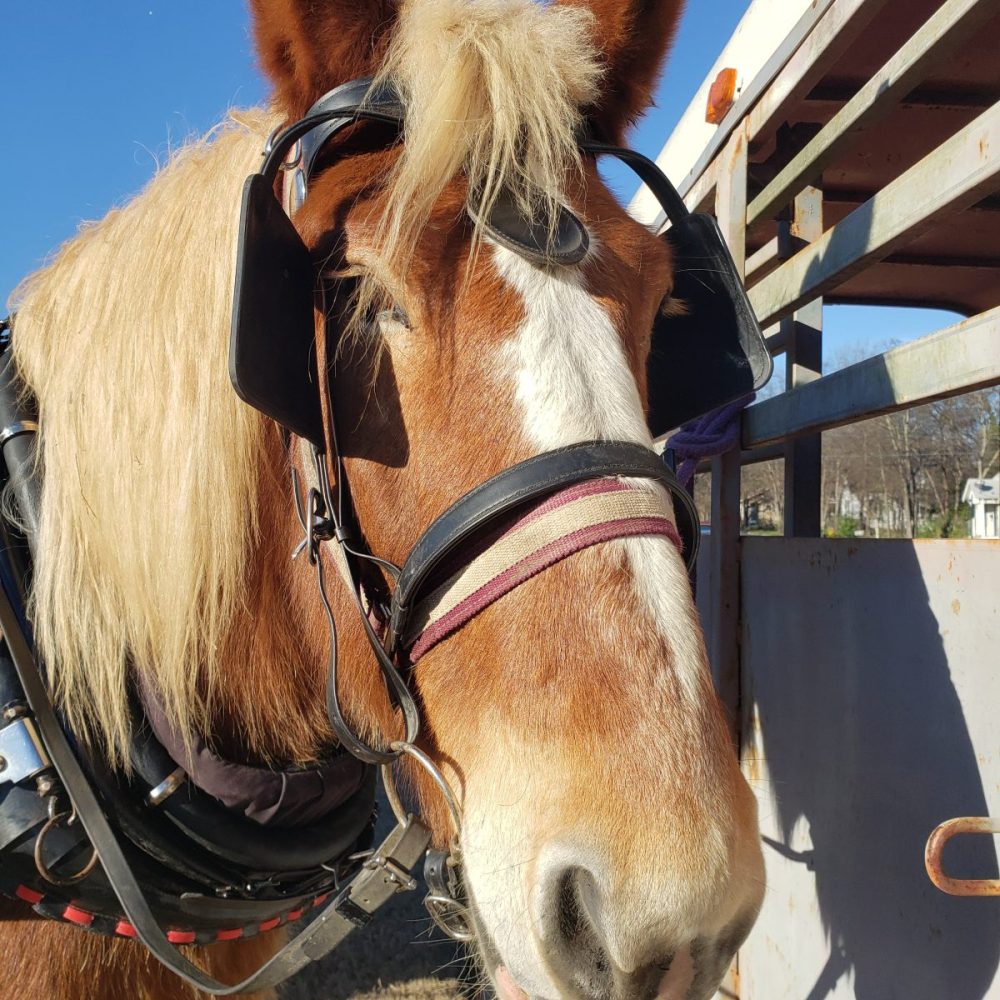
707	436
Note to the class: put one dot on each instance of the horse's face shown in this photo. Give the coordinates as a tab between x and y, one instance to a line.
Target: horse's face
609	836
609	840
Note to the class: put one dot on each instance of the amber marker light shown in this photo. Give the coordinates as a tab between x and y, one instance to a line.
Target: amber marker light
721	96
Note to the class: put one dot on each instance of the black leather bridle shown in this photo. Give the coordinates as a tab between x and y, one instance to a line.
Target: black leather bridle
276	388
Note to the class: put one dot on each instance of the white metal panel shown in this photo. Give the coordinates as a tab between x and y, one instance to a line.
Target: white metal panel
871	686
753	42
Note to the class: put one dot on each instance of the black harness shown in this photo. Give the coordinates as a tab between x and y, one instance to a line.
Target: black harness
169	859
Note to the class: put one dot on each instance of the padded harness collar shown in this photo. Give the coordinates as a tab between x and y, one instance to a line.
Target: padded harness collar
289	797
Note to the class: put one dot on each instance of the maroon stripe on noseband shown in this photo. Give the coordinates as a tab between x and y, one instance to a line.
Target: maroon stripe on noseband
546	556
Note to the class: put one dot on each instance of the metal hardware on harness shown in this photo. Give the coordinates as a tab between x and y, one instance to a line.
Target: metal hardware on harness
22	755
935	845
402	747
385	873
55	818
293	157
393	872
446	900
14	430
167	787
317	527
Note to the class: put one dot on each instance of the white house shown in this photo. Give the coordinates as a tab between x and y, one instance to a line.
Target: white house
983	496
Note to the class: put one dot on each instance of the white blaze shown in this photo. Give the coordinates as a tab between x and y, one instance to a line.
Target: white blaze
573	383
570	377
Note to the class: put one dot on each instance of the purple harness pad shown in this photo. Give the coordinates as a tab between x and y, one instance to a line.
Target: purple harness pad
285	798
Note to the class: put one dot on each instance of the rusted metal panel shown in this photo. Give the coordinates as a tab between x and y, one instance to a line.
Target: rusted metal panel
871	689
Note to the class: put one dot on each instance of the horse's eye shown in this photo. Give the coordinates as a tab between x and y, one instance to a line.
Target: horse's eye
397	314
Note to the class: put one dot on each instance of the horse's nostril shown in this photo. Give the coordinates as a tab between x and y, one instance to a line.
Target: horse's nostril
577	949
568	907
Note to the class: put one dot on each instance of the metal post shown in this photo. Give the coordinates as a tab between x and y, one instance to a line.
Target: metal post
803	335
724	622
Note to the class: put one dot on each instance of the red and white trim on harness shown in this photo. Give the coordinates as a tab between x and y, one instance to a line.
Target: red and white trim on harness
117	926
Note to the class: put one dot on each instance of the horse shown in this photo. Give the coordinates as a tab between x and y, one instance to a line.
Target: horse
609	843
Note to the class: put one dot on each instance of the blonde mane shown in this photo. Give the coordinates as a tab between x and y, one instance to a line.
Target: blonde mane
494	90
150	462
151	465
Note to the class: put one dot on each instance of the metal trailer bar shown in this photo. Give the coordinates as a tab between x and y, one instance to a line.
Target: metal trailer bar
819	38
802	339
722	631
760	83
959	359
953	177
949	27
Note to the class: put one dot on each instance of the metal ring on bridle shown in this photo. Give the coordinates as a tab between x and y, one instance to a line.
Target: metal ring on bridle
451	916
401	748
16	429
44	870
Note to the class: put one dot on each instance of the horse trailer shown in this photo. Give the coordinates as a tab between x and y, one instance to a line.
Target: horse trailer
857	162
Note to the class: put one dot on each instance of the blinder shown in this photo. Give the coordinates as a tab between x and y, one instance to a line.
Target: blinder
276	278
707	357
714	352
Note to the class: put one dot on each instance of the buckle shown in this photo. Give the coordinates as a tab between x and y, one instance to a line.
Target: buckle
22	754
393	872
385	873
445	901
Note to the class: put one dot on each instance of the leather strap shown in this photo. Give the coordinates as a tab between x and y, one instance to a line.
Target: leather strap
342	106
575	518
530	480
650	175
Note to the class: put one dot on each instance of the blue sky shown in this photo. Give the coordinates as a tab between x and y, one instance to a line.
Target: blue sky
95	95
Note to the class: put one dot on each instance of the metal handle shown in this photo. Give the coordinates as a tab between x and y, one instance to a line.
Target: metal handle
935	846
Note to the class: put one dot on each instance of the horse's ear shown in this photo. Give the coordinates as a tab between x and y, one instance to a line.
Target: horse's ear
308	47
633	37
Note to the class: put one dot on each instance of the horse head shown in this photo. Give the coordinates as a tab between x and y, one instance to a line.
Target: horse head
609	839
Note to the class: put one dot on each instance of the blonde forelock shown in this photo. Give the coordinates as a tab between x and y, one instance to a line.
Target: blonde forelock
494	90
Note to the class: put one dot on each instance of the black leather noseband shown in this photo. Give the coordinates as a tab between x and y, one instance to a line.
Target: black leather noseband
501	496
